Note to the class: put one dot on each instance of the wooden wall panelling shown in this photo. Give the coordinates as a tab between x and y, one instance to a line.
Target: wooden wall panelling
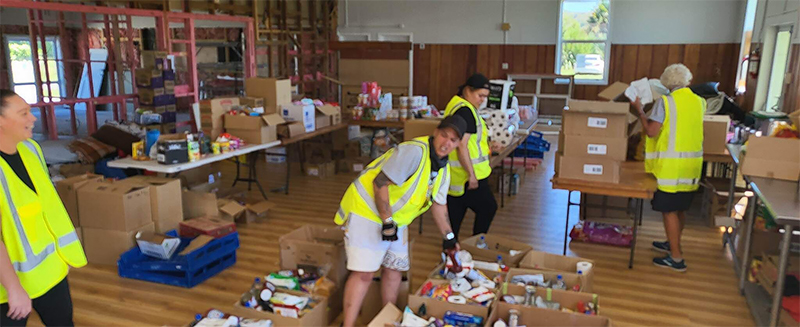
791	101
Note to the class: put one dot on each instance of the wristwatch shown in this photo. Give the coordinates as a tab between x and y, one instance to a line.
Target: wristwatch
449	236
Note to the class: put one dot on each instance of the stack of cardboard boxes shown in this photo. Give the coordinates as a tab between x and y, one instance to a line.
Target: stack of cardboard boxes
156	86
593	141
212	112
68	192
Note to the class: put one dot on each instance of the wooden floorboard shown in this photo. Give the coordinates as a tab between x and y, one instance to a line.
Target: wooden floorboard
644	296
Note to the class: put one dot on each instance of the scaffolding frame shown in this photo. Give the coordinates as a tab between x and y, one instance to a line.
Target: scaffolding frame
119	60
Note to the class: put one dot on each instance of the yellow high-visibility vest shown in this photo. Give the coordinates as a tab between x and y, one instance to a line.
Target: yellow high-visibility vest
408	200
675	156
36	229
478	149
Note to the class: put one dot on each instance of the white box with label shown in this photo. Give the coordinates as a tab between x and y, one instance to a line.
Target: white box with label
305	114
596	169
596	118
615	148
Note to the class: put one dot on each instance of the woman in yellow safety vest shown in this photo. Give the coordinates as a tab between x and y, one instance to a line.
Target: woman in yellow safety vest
38	243
674	154
470	170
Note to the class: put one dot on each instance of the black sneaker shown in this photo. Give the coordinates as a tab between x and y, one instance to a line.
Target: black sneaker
662	247
668	262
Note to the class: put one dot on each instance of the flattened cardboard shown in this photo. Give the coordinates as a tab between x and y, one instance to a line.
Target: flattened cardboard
615	148
772	157
589	169
165	201
211	226
614	92
497	245
196	243
121	206
67	190
104	246
715	133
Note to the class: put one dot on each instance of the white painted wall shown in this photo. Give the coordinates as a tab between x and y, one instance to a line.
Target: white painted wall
536	21
777	12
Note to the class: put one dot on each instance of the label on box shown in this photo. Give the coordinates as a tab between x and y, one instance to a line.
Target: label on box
358	167
313	172
597	122
593	169
601	149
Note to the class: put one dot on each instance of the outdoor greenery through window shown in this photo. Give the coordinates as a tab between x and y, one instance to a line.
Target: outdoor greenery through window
583	40
22	74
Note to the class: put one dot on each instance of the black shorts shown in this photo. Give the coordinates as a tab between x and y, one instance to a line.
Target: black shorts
669	202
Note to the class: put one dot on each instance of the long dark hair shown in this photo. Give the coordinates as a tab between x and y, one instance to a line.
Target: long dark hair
5	94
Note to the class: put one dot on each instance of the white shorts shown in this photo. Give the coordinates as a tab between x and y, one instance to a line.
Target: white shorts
367	251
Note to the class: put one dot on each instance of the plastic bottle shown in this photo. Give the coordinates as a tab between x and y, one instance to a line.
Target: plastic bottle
560	284
481	244
513	318
501	264
197	319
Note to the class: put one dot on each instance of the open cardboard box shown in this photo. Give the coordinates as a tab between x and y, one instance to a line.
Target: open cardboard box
567	299
596	118
436	273
437	308
497	245
242	209
317	316
715	133
68	192
254	129
371	306
531	316
114	205
553	262
390	315
772	157
328	115
571	279
165	201
103	246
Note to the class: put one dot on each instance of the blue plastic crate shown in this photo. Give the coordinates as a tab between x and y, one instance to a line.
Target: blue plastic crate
185	271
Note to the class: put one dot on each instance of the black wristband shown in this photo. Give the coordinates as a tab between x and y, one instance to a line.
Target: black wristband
449	244
389	231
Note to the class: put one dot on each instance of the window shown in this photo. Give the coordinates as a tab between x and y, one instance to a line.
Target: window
21	73
778	71
583	43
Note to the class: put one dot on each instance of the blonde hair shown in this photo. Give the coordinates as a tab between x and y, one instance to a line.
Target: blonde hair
676	76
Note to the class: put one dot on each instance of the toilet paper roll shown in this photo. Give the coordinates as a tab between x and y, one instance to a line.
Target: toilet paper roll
457	299
584	267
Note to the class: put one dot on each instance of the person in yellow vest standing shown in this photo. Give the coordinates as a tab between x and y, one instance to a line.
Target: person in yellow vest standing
387	196
38	243
469	179
674	155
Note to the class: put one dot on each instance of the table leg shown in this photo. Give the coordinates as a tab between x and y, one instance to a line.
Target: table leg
566	226
502	189
639	206
288	171
253	161
238	163
779	284
752	204
510	177
525	160
420	224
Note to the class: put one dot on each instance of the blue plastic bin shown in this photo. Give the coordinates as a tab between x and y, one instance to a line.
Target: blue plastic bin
180	270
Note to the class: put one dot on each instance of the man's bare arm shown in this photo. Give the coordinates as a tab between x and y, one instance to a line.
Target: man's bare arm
381	188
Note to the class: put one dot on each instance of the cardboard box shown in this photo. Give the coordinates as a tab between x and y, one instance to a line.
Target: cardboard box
322	121
68	192
388	316
254	103
211	112
419	127
199	204
595	118
243	209
334	114
497	245
352	165
121	206
715	133
157	245
290	130
437	308
304	114
210	226
149	78
321	170
567	299
104	246
570	278
614	92
590	169
548	261
772	157
169	87
373	300
153	59
148	95
340	138
201	175
276	92
795	117
614	148
76	169
315	246
172	149
165	201
315	317
533	316
353	149
254	129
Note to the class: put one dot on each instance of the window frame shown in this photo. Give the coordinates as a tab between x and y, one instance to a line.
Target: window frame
607	42
57	57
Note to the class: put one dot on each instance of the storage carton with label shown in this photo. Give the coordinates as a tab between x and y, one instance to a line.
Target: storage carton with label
303	113
321	170
68	192
595	118
589	169
291	130
211	226
715	133
254	129
536	317
211	112
103	246
772	157
121	206
172	149
157	245
511	251
165	201
615	148
275	92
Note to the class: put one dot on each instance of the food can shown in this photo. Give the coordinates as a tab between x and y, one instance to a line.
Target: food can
403	114
215	148
404	102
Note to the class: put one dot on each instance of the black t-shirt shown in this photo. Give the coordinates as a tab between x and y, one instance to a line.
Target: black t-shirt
466	113
15	161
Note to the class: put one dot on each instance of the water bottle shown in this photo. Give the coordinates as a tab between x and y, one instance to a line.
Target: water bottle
501	264
197	319
560	284
481	244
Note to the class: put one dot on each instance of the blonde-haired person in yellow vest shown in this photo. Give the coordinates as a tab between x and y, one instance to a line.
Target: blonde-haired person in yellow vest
674	154
387	196
469	179
38	243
